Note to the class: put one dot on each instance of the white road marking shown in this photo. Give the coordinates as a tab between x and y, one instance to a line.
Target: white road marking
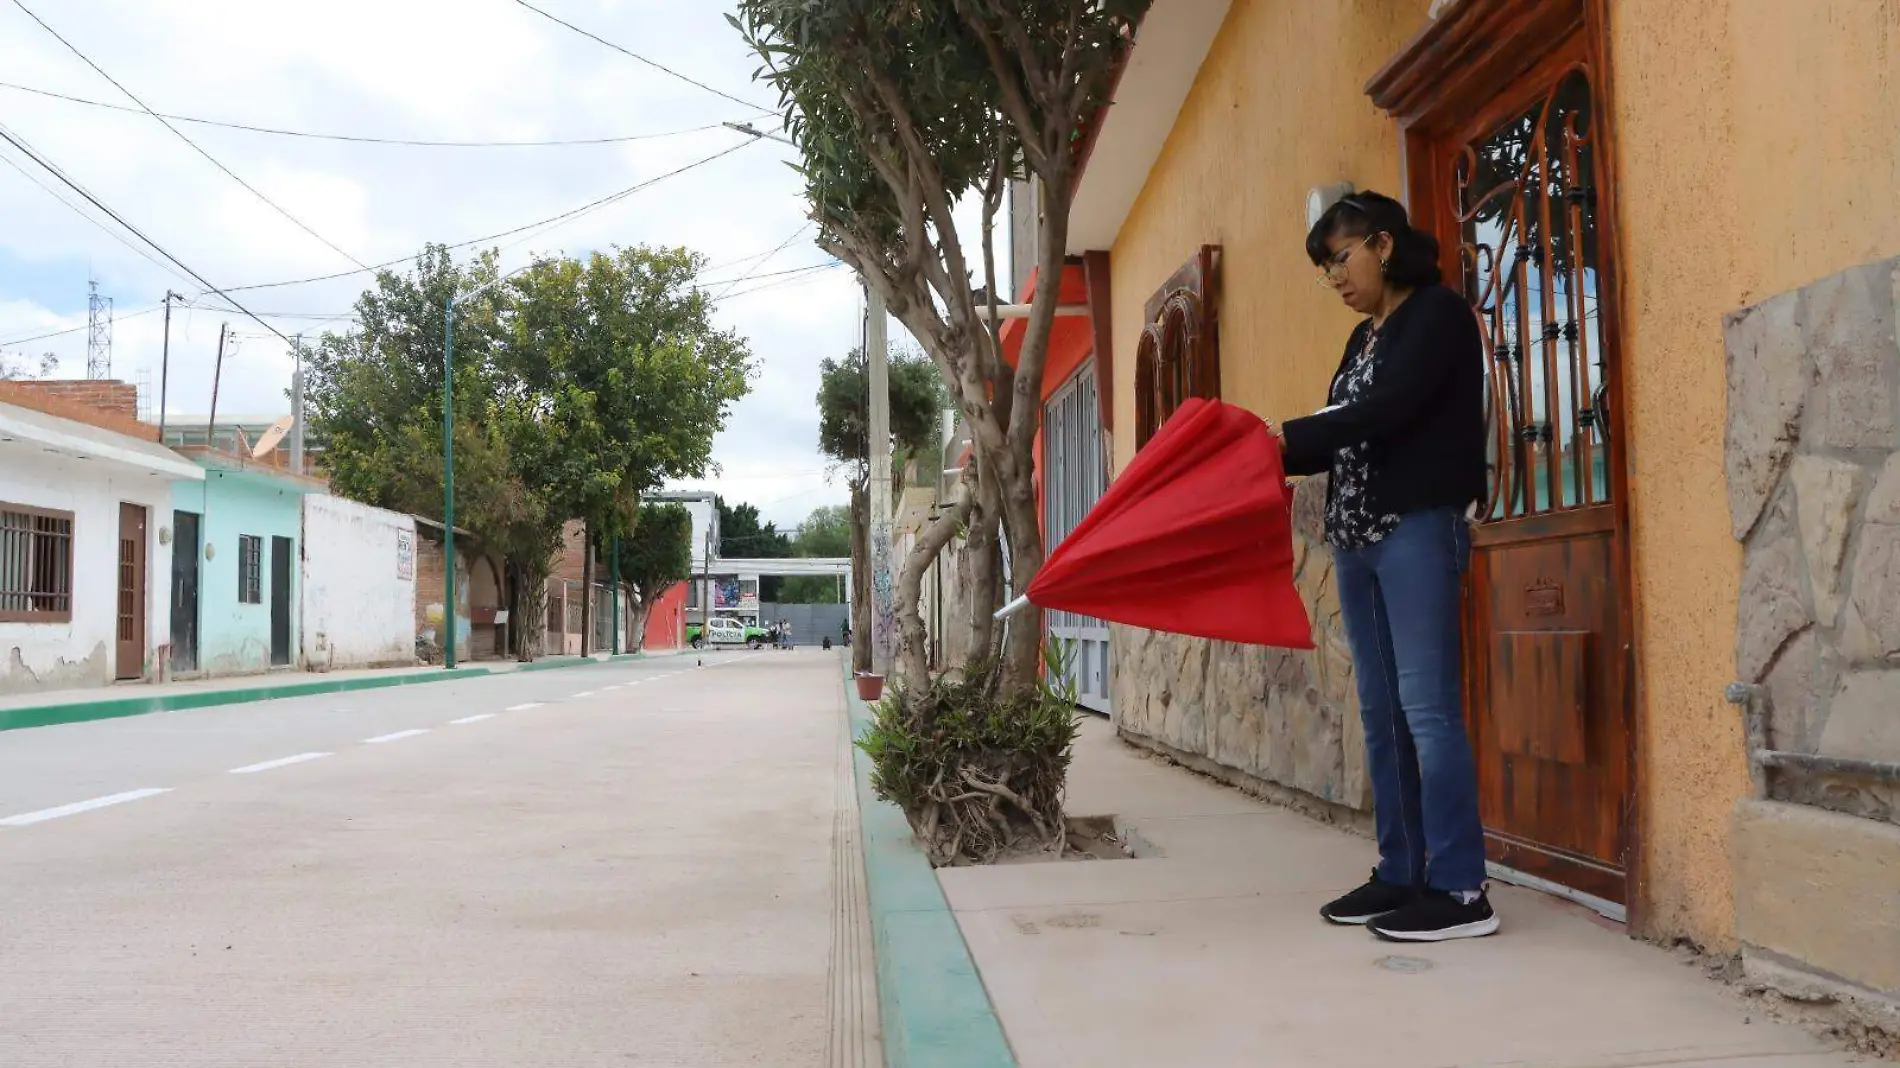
300	758
473	719
578	696
522	708
396	737
77	807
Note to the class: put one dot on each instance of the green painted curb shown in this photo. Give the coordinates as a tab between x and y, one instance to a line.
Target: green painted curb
553	663
119	707
935	1011
114	708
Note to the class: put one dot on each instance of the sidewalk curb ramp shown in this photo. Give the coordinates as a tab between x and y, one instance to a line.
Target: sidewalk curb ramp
118	707
932	1005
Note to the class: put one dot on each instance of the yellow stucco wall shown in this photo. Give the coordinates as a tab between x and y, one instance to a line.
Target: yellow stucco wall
1758	151
1277	110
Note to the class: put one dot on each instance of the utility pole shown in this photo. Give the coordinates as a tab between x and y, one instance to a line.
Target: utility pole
217	374
165	363
883	591
296	410
705	579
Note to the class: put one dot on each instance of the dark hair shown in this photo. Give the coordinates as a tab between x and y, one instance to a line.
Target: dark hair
1414	259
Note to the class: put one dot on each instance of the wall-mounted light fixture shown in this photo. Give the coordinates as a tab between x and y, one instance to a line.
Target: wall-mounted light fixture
1319	198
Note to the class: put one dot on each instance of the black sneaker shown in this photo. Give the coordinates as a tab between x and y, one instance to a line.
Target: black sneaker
1437	917
1369	902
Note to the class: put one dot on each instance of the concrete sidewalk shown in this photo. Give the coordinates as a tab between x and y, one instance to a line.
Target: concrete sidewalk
1210	953
134	698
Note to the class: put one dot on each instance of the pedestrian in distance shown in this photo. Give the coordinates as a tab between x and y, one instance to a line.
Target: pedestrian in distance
1402	441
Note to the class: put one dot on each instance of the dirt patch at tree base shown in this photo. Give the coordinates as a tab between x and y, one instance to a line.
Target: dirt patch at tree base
1087	838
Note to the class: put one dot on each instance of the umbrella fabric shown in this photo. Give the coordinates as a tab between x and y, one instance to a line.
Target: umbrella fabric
1195	536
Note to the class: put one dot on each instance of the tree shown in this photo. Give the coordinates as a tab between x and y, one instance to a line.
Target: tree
631	375
825	533
15	366
900	108
375	401
742	534
578	386
656	555
844	430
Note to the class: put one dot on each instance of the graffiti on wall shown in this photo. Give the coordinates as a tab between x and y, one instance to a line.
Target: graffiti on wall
883	595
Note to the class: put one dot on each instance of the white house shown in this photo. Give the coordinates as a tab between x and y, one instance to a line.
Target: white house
85	552
359	585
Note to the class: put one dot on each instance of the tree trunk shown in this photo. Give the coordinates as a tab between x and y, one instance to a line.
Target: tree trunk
860	578
1022	639
527	612
983	558
636	636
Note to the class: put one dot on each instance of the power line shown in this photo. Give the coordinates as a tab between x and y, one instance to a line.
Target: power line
233	175
76	210
10	342
782	246
363	138
553	220
812	275
769	274
17	142
635	55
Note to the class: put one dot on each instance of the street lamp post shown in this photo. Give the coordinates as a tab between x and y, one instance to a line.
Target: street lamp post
448	483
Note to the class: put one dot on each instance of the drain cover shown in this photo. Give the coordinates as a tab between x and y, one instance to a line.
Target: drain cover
1407	965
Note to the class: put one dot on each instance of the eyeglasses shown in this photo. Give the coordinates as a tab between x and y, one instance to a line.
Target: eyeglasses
1333	271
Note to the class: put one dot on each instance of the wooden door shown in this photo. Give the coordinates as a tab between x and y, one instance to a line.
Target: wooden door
130	661
1518	194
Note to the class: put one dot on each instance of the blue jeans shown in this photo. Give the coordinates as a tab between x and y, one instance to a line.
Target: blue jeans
1400	602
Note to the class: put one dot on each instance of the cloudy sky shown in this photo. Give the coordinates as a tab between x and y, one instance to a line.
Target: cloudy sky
467	70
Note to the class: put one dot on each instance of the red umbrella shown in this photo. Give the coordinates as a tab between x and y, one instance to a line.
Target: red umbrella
1194	537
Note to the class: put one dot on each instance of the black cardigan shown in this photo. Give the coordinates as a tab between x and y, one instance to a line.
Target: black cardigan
1424	415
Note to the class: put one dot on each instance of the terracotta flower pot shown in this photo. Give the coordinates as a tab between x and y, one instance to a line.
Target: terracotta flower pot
870	687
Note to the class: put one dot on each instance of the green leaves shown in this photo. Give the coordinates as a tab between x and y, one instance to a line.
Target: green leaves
844	421
579	385
658	554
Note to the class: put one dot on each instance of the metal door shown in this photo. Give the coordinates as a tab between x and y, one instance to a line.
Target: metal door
130	663
282	551
1073	479
186	556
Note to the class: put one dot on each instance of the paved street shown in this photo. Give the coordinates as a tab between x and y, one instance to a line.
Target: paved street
616	865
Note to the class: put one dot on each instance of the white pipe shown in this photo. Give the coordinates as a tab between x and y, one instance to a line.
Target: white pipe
1012	607
1021	311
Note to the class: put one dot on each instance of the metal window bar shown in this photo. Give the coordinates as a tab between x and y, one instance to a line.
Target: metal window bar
250	569
35	564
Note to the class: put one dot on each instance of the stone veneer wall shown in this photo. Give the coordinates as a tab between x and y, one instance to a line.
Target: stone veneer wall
1813	464
1281	722
1813	459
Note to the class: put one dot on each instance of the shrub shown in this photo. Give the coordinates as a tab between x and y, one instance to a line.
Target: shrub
977	775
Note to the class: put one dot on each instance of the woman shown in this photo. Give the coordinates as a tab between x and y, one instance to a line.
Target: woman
1402	439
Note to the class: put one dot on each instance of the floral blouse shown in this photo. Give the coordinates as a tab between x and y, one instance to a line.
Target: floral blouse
1351	520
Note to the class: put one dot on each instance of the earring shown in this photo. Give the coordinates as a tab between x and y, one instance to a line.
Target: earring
1385	266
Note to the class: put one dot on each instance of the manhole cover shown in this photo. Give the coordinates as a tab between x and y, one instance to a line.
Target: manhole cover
1407	965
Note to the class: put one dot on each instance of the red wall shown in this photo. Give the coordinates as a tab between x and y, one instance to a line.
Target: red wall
1070	344
666	621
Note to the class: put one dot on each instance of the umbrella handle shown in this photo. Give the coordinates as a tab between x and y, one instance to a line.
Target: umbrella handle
1012	607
